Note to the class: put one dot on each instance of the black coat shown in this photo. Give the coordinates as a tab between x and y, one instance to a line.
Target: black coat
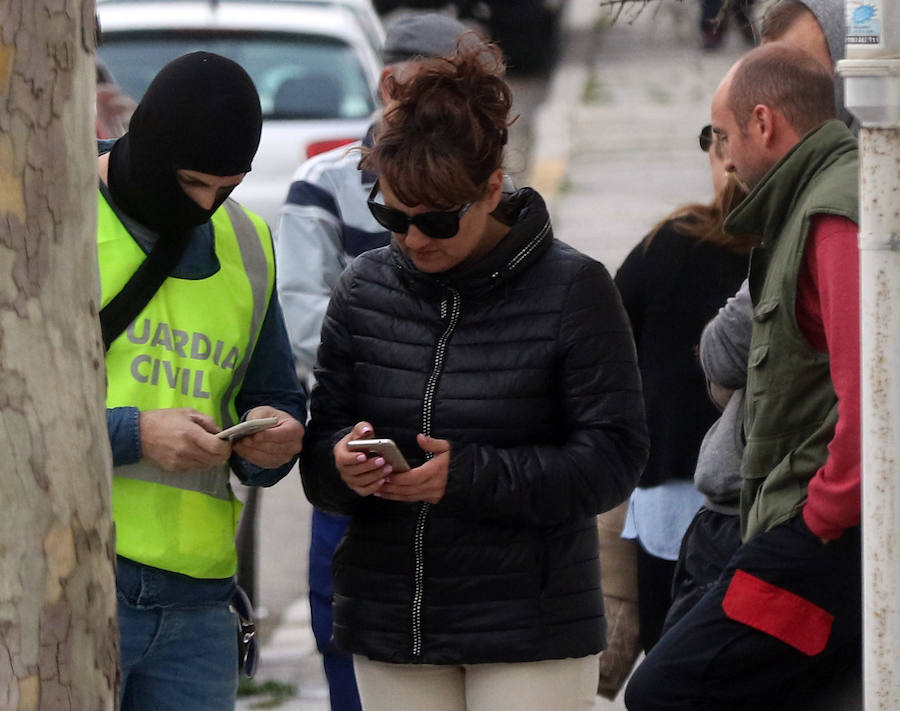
525	363
671	290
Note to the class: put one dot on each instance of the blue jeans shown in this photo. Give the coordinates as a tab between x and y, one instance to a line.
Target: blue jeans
179	643
327	531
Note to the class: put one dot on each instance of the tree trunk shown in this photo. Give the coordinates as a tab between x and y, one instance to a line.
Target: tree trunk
58	630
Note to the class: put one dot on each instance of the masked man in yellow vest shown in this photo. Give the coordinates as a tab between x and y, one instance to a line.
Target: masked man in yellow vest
208	350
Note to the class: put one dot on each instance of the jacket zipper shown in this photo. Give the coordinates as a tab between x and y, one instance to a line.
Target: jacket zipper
449	312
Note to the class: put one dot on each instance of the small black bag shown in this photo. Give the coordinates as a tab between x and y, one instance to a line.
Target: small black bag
248	645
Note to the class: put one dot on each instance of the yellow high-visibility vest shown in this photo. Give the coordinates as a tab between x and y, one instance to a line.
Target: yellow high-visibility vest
189	347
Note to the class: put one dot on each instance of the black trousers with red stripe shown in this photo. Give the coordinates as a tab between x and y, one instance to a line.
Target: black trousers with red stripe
790	639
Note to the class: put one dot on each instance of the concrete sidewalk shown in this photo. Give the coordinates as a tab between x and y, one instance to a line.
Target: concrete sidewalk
614	151
625	127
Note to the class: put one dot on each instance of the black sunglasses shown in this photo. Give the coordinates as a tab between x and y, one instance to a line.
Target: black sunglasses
707	138
437	225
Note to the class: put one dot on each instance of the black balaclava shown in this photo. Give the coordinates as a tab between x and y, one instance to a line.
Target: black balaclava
200	113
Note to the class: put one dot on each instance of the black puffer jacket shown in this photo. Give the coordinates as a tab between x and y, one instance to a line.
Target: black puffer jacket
525	363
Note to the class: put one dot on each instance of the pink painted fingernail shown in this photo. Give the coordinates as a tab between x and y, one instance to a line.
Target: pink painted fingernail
360	458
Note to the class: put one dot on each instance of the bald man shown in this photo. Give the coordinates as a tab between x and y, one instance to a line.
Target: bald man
784	619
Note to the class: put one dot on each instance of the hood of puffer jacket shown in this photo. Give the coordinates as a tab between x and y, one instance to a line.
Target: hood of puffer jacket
830	14
529	236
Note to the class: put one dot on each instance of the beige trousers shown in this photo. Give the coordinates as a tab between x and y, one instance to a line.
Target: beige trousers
552	685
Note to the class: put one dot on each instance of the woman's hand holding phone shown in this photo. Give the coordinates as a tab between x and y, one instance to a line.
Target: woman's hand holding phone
367	475
426	483
364	474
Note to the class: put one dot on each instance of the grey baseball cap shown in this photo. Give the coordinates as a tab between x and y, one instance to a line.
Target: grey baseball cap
421	35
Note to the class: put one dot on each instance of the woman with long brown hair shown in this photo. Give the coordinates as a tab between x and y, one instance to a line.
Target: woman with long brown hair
500	362
672	283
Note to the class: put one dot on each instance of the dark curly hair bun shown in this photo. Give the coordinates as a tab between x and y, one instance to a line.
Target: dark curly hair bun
447	128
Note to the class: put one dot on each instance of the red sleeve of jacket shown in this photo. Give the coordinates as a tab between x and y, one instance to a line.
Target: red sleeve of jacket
828	315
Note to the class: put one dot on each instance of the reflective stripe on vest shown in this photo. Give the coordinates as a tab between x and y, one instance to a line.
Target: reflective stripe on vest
189	347
259	274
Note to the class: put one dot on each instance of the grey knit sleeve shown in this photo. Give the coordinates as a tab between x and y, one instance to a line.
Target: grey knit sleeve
725	342
718	472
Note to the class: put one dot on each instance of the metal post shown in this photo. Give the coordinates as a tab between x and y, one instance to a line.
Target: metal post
872	89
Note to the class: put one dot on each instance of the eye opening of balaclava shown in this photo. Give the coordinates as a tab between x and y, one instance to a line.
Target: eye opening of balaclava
202	113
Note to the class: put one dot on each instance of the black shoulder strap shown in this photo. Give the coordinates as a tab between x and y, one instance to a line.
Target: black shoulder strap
125	306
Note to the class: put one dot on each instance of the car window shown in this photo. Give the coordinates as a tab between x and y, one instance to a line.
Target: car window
297	76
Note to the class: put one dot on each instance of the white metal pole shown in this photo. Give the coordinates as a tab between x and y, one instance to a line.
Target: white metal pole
872	90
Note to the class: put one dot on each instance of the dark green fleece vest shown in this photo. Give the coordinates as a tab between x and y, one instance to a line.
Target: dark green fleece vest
791	407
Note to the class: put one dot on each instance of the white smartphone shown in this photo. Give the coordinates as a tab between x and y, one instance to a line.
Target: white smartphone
247	427
381	448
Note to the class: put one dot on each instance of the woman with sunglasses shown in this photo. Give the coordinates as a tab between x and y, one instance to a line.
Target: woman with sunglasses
500	362
672	283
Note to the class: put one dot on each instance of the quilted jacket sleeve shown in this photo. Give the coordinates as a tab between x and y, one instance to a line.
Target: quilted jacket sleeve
333	406
606	446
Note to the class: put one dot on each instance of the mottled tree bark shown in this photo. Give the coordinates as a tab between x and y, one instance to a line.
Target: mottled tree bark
58	632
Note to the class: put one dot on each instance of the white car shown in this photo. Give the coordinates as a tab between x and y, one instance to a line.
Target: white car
364	11
315	68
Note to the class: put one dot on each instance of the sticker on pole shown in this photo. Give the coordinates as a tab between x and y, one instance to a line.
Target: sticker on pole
864	22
